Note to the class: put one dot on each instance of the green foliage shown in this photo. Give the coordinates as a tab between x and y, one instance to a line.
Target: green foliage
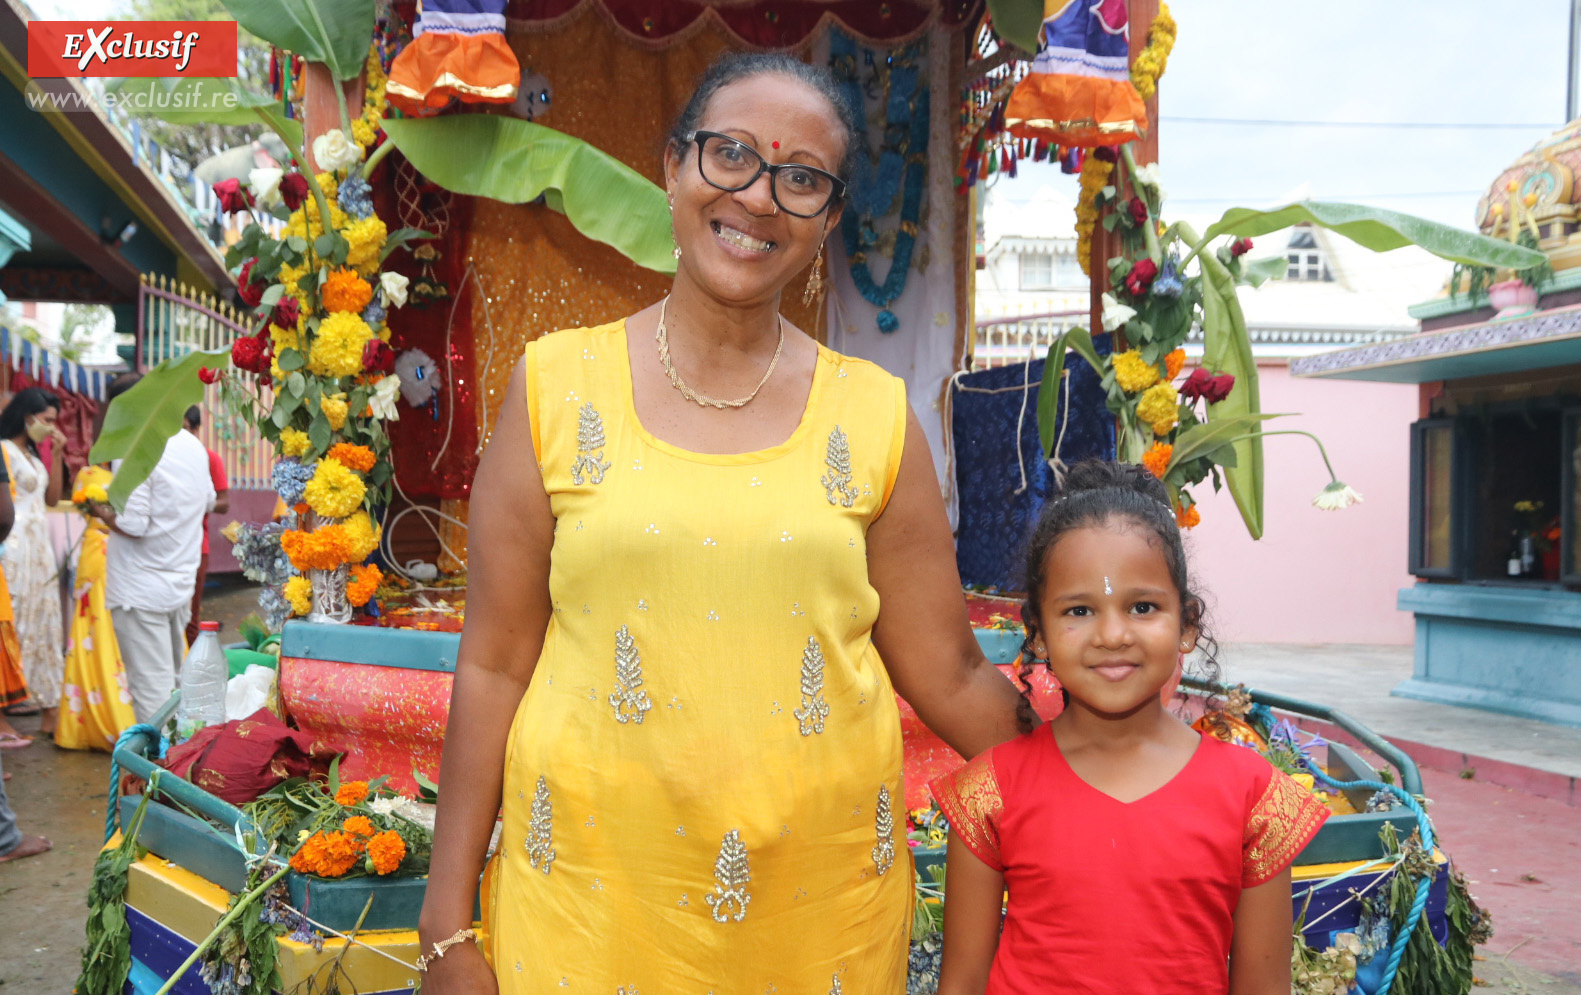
1227	348
515	161
248	944
139	422
184	101
107	952
1018	21
334	32
1427	968
1048	391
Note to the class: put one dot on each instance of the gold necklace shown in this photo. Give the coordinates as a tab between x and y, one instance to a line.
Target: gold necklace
703	399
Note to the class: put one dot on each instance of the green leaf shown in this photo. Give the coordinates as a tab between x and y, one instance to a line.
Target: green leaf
515	161
334	32
290	360
272	296
1018	21
1209	438
139	422
324	245
1263	270
297	243
296	384
204	100
399	238
1227	348
1380	230
426	788
319	432
1048	394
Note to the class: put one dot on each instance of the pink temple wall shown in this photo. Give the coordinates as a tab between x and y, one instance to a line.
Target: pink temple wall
1315	577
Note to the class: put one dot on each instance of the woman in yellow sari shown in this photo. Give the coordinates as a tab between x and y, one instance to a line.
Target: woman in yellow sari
96	704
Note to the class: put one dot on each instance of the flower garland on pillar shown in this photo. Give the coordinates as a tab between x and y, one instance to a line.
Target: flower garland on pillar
901	168
1145	71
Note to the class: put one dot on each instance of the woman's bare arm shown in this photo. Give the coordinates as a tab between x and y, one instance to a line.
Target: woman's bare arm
922	631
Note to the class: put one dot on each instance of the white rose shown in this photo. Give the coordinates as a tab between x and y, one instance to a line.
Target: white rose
1149	176
383	400
393	287
334	151
266	184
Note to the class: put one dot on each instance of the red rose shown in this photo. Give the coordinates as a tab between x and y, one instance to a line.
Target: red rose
293	190
378	357
249	353
1105	153
233	196
1240	247
1141	277
285	313
207	375
1219	387
250	293
1196	385
265	380
1138	211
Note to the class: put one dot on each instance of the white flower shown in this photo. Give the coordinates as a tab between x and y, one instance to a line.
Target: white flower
383	399
266	184
1335	496
1149	176
1115	314
393	287
334	151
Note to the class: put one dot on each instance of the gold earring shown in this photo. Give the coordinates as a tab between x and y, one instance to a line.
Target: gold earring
814	279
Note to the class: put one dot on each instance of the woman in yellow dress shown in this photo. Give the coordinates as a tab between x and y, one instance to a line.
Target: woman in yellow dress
96	702
675	672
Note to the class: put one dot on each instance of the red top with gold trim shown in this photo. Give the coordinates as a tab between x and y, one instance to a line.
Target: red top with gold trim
1108	896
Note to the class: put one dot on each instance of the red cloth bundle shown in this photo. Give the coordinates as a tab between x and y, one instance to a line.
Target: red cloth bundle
244	758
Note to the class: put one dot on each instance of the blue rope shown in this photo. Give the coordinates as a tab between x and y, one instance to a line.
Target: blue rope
1423	886
112	809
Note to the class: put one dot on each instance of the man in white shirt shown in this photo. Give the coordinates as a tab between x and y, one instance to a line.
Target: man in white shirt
155	544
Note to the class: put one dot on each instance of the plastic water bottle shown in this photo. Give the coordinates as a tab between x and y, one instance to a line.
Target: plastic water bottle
204	674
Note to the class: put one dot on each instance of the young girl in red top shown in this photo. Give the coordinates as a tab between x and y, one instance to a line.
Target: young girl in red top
1140	856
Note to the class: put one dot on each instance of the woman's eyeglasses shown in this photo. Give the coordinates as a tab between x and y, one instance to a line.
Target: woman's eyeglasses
802	191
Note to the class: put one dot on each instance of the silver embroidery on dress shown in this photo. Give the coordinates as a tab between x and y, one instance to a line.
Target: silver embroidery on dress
837	483
589	447
835	989
630	701
884	850
540	828
732	874
813	708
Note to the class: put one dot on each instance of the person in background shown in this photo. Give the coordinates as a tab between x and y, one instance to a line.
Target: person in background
192	421
155	546
29	557
13	686
14	844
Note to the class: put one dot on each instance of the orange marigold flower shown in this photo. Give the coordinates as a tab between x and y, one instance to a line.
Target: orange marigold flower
365	580
386	851
1174	363
339	855
359	825
351	793
1188	517
359	458
345	291
325	548
1156	459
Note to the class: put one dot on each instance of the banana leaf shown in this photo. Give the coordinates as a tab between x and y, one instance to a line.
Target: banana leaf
334	32
1380	230
1018	21
1227	348
181	100
1206	438
1049	389
516	161
139	422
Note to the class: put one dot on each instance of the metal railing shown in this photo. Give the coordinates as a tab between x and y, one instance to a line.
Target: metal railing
1007	341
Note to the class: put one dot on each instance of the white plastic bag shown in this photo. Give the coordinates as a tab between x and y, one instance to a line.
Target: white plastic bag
249	691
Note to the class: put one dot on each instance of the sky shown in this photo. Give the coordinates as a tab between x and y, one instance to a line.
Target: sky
1447	61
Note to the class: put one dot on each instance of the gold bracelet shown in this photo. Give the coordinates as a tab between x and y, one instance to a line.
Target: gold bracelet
458	936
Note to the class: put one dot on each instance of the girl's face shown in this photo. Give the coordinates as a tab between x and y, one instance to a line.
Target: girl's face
738	245
1111	625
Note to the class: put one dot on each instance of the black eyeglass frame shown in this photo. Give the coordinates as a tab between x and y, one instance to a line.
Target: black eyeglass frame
837	191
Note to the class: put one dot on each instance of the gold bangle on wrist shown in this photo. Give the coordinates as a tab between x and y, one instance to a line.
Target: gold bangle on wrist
459	936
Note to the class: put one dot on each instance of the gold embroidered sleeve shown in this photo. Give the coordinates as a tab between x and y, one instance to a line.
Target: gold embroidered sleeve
1278	827
971	801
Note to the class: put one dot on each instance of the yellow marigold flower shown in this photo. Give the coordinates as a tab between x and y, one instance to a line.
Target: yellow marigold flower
351	793
304	221
334	408
386	851
358	825
359	458
1156	459
1187	516
328	184
334	491
1174	363
299	591
294	442
362	132
1159	407
324	548
364	584
345	291
1133	373
337	348
367	238
362	535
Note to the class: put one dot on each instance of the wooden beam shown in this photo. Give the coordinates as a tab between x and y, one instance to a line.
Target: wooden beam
38	208
59	283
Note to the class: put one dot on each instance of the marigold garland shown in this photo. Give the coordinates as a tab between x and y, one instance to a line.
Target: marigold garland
334	491
358	825
1188	517
359	458
1152	60
324	548
337	347
1094	177
345	291
299	592
386	851
351	793
366	238
1133	373
1156	459
364	583
1174	363
1159	407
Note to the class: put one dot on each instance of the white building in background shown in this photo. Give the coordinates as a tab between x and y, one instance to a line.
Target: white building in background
1314	577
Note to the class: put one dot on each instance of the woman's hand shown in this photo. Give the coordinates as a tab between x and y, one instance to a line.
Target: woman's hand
59	439
463	970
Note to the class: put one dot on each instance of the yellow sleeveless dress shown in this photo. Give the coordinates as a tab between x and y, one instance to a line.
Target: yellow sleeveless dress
703	783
